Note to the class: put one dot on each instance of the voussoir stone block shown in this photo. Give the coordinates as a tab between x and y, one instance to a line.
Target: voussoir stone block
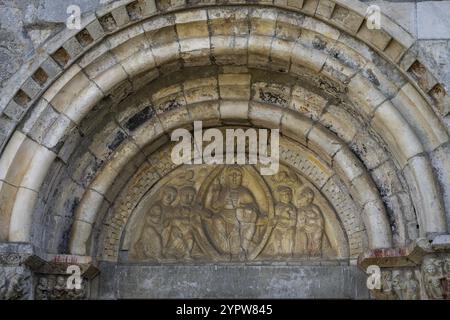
141	79
22	160
41	113
208	112
229	50
59	84
7	198
93	54
195	51
304	56
369	141
78	245
314	28
135	64
91	202
169	98
67	101
362	90
378	38
402	141
105	71
281	55
288	27
37	170
9	153
160	31
191	24
148	7
259	48
395	51
57	131
264	116
14	111
340	122
103	181
120	15
386	177
323	143
368	150
146	132
309	6
348	19
271	93
50	67
296	4
363	189
105	141
173	120
325	8
95	29
334	69
262	22
20	225
73	47
128	154
431	201
166	54
375	220
307	102
346	164
72	140
226	21
84	169
199	90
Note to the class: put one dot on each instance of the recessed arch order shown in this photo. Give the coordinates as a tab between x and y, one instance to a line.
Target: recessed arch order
239	45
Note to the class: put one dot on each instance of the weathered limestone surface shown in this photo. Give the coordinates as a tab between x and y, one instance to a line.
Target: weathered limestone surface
43	18
221	281
87	177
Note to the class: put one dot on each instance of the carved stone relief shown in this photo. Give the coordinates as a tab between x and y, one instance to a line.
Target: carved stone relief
231	213
54	287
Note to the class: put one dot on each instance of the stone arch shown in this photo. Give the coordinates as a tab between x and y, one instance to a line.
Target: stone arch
385	88
335	236
372	212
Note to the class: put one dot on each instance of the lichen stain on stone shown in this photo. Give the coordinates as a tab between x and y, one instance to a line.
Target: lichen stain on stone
270	97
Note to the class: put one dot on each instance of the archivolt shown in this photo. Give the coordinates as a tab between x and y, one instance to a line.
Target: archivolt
260	38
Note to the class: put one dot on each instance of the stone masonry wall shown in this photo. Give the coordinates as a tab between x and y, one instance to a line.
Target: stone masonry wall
25	25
